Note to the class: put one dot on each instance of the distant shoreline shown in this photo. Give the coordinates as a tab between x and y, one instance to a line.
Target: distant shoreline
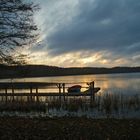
65	75
28	71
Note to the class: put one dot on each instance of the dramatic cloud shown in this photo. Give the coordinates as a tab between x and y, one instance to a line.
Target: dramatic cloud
108	28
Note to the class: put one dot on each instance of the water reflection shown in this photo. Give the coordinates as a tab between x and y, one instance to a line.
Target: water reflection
114	83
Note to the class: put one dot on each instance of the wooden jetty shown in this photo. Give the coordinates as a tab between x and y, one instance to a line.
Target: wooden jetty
9	88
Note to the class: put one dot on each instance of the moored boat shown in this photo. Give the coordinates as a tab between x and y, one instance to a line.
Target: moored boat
75	88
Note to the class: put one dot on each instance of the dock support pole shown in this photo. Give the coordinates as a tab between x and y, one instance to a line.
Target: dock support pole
31	93
13	93
37	94
92	91
6	94
59	86
63	85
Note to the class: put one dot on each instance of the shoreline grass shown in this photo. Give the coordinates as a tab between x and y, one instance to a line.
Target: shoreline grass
22	106
107	105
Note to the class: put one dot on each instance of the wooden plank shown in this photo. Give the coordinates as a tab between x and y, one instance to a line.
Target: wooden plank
44	94
39	85
24	85
49	94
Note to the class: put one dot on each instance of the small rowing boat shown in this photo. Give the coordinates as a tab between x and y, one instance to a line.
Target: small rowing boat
75	88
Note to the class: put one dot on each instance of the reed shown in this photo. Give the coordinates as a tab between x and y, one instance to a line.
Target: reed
107	103
54	104
22	106
133	102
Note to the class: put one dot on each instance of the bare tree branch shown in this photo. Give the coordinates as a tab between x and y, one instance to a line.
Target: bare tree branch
17	27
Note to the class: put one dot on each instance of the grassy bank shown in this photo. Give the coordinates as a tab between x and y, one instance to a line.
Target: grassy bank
69	128
107	106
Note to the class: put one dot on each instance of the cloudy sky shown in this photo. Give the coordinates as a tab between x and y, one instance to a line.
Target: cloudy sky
97	33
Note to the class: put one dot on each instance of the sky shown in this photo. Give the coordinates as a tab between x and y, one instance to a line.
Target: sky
87	33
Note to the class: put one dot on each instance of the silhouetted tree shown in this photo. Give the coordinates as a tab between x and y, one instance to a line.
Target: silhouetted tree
17	28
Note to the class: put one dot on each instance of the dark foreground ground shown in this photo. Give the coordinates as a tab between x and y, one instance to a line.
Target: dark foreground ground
16	128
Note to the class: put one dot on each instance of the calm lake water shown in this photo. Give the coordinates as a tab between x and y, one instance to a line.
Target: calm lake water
126	84
109	83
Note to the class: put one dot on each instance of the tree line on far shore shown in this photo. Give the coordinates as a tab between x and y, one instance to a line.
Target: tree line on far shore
42	70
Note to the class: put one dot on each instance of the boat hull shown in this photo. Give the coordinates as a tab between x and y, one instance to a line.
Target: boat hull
75	88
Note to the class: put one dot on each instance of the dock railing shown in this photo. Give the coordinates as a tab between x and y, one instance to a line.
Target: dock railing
9	88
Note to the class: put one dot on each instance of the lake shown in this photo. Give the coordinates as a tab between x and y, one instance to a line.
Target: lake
121	107
128	84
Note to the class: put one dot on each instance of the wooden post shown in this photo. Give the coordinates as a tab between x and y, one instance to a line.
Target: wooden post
92	91
6	94
63	87
13	92
37	94
59	86
64	90
31	93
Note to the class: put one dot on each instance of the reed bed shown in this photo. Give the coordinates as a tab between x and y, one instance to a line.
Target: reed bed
22	105
107	104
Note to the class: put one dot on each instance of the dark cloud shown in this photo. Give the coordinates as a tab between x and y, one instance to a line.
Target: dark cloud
99	25
88	33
